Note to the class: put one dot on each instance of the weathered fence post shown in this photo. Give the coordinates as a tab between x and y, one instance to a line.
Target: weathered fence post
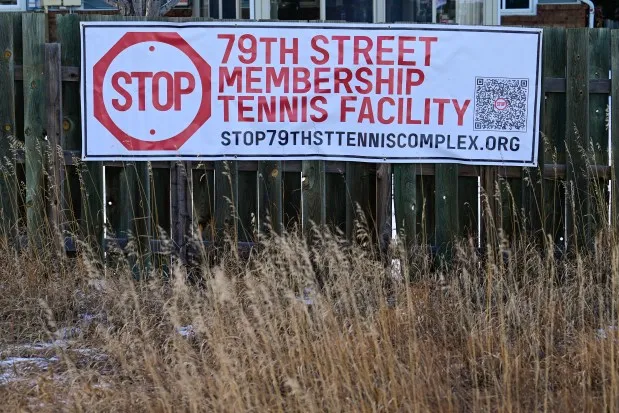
405	202
596	152
34	121
554	129
490	209
358	199
270	199
577	138
8	179
313	195
53	74
89	180
384	210
226	201
446	204
615	129
180	186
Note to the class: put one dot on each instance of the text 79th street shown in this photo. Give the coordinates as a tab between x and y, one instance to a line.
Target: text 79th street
391	65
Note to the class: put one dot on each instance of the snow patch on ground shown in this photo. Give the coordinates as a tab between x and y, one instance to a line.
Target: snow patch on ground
11	368
186	331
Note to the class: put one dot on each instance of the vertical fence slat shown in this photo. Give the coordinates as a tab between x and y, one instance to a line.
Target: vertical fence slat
53	74
313	195
270	199
248	207
532	185
597	150
405	203
143	208
203	190
67	34
85	183
446	204
490	207
226	200
468	190
384	182
358	187
615	127
554	130
577	136
180	184
335	184
34	121
8	183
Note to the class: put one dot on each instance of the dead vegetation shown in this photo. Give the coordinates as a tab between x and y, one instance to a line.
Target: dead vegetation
314	328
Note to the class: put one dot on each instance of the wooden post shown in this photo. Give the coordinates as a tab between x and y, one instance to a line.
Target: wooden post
597	148
313	194
53	74
554	129
34	121
226	198
491	222
270	198
247	206
144	214
615	129
405	202
446	203
89	209
383	207
577	138
180	186
357	184
8	179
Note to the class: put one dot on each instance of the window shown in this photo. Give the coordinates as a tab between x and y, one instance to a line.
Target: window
468	12
359	11
12	5
473	12
518	7
418	11
295	9
228	9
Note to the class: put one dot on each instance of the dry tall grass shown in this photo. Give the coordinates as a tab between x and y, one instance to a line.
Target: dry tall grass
314	328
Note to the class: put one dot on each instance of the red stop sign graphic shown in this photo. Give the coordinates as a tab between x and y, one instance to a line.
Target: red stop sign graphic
178	83
500	104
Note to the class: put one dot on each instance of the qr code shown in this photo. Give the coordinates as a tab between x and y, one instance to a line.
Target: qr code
501	104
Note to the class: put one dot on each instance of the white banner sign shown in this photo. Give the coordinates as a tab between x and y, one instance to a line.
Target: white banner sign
371	92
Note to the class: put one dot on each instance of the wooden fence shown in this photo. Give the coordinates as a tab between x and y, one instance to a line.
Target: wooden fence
44	184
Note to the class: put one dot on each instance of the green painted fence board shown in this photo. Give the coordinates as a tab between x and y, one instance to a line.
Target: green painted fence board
405	202
34	121
615	128
226	200
577	138
335	199
313	195
8	182
203	186
468	189
426	201
446	202
270	201
292	199
247	205
360	198
553	134
597	150
88	203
